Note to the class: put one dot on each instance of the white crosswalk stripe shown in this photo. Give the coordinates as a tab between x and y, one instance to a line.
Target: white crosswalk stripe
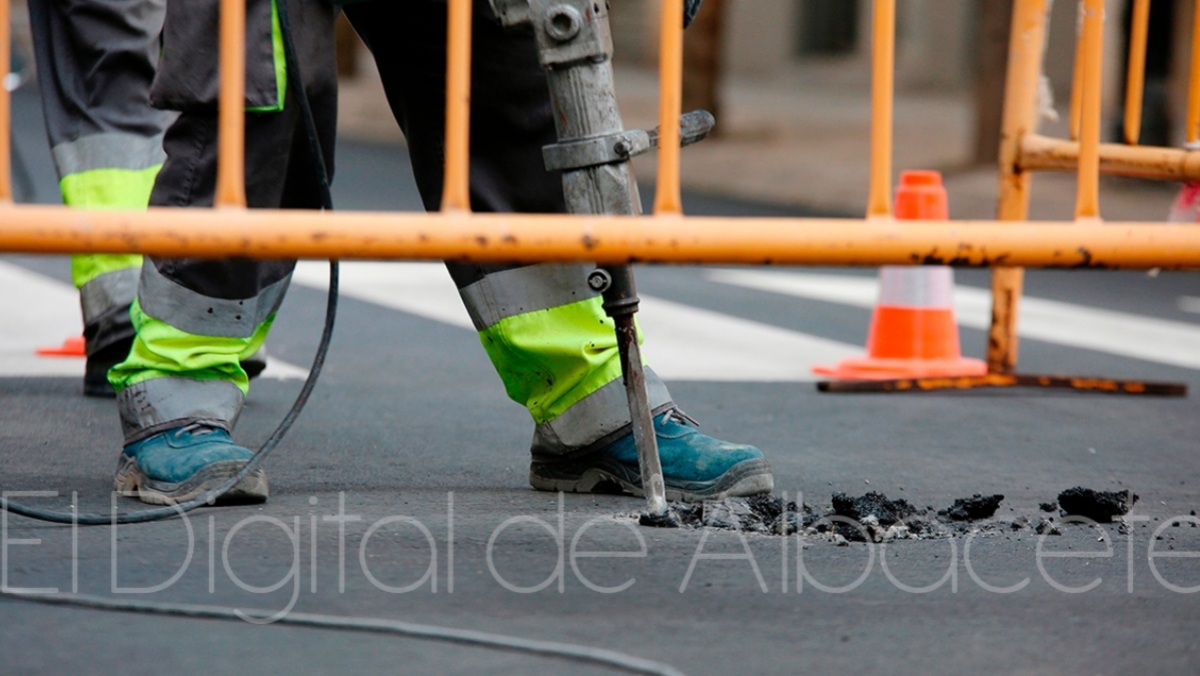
726	348
44	314
1189	304
1119	333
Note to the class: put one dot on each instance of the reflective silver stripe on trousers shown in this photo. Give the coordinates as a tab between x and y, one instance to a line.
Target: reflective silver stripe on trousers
595	417
112	150
108	291
152	406
517	291
201	315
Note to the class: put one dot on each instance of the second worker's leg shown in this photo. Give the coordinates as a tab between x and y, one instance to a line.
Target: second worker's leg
95	62
182	388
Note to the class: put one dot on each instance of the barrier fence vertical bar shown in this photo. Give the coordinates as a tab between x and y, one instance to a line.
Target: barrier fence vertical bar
1027	41
6	194
1087	196
1193	101
667	194
1077	72
1135	76
456	193
883	46
667	200
231	115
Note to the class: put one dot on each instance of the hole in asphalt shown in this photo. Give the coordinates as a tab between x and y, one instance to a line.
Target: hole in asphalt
875	517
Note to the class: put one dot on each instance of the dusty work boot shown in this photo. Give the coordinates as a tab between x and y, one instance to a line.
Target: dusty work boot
695	466
182	463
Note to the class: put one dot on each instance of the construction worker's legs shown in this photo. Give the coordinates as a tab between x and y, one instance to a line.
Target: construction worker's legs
543	328
182	387
95	62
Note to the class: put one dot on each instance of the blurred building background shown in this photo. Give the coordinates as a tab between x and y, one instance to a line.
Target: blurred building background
789	81
941	46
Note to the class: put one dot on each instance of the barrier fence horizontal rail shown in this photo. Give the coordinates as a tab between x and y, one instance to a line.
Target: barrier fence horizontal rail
667	238
1149	162
604	239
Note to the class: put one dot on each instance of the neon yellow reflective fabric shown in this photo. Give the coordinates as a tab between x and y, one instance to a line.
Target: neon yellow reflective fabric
86	267
106	189
109	188
161	350
280	57
551	359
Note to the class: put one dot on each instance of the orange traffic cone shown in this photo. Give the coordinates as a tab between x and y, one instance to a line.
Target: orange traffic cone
71	347
913	332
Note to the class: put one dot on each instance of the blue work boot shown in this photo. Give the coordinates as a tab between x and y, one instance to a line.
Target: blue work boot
184	462
695	466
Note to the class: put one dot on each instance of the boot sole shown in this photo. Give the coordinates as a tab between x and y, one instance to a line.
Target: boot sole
131	481
749	477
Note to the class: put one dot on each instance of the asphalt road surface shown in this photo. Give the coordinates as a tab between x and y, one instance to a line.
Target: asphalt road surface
400	494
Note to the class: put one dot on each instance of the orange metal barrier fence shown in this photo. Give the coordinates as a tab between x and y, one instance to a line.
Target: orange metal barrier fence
1023	151
668	236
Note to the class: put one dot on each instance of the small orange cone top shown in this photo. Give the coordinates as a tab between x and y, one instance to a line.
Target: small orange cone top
921	196
71	347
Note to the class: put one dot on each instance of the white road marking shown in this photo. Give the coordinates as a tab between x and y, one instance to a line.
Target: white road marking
37	312
422	289
1189	304
1119	333
278	369
682	342
688	343
45	313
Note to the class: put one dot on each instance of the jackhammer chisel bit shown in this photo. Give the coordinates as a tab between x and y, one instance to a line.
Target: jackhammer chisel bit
621	303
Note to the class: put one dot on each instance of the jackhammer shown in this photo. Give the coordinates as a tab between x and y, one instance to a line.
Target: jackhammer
574	41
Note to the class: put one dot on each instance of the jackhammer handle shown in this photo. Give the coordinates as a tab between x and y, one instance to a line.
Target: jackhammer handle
693	127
